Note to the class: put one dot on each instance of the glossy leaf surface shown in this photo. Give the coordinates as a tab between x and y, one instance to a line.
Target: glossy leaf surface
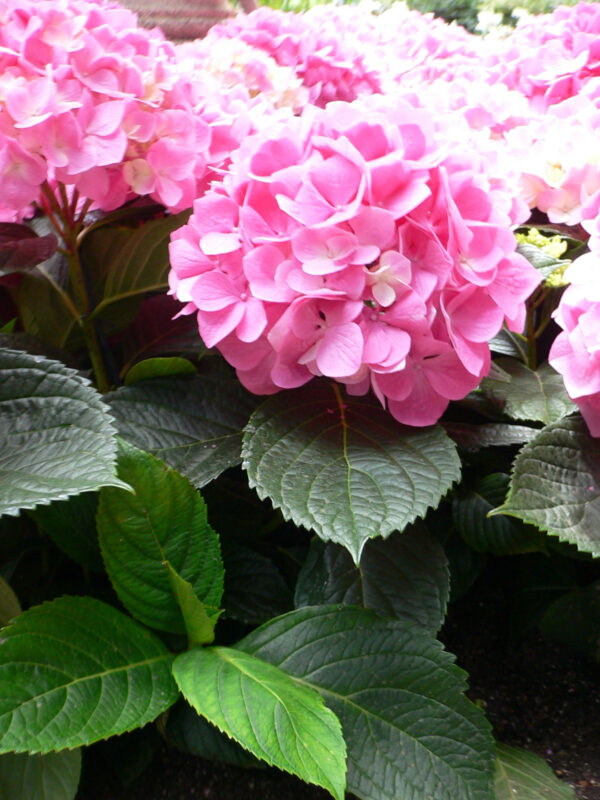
276	718
56	435
164	521
76	670
555	484
194	424
409	729
404	576
343	467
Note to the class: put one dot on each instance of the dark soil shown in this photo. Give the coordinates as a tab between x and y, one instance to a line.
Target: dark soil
536	695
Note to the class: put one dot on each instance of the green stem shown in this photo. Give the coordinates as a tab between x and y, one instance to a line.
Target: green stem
69	228
530	333
90	333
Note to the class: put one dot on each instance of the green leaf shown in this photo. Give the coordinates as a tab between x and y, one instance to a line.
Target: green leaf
100	248
465	564
9	604
35	347
198	625
409	729
345	468
193	423
542	261
528	394
275	717
141	260
191	733
508	343
165	520
71	524
56	436
573	620
475	437
255	590
405	576
53	776
555	484
499	536
74	671
524	776
44	311
158	368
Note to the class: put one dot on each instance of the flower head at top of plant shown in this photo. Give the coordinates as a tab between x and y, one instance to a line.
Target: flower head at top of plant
350	243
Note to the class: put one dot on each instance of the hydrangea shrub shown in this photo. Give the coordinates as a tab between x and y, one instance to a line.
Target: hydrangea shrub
339	271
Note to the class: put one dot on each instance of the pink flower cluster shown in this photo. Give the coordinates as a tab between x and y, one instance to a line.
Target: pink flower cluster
349	243
575	352
330	64
92	101
551	57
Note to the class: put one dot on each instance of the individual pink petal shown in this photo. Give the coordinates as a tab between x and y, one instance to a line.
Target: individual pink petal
215	243
423	406
216	325
339	352
254	321
214	291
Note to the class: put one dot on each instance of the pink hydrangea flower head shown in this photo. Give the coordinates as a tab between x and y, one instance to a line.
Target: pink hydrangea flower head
91	100
575	352
349	243
329	64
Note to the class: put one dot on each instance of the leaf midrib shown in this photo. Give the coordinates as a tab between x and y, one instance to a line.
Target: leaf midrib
73	682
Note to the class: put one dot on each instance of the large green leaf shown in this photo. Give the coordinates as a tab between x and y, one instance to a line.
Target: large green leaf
555	484
56	436
524	776
76	670
275	717
71	524
199	625
164	521
528	394
507	343
193	423
139	260
53	776
345	468
409	729
475	437
497	535
255	590
405	576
